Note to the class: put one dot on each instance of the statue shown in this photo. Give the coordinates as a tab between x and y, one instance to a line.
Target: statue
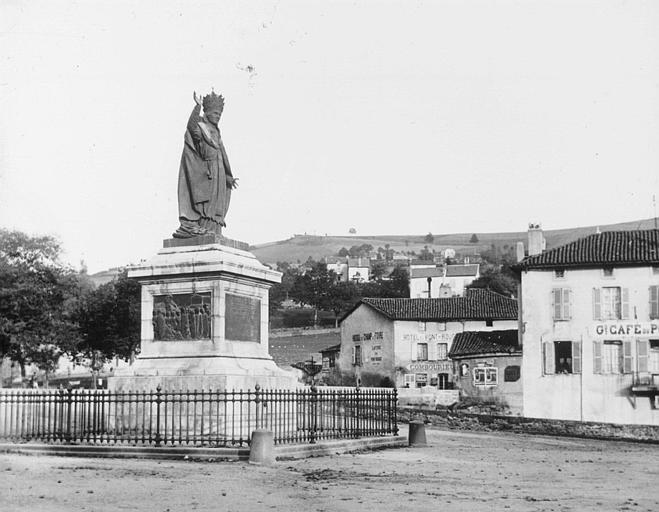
205	180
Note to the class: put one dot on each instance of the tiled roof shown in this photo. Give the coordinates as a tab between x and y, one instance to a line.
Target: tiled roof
601	249
484	342
478	304
359	262
333	348
426	272
461	270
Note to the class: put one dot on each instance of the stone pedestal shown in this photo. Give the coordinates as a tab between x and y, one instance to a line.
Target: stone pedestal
204	316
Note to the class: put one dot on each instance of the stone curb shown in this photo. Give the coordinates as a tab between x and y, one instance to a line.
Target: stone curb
282	452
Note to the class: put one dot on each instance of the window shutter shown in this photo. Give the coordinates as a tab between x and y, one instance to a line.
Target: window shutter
625	303
597	304
556	303
550	365
627	356
576	357
642	355
354	354
654	302
597	357
567	300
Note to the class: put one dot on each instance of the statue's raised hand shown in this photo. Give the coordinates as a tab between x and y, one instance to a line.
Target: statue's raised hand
197	98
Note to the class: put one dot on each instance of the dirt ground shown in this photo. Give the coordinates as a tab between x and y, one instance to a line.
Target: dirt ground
458	471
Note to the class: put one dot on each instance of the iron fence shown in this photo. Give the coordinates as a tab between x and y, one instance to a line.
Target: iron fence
195	418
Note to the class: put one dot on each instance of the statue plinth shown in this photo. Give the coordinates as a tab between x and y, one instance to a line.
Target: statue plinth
204	319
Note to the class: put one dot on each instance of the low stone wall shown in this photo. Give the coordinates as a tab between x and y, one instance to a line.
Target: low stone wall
455	420
428	397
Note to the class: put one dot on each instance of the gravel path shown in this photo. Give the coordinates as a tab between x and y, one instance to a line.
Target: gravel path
459	471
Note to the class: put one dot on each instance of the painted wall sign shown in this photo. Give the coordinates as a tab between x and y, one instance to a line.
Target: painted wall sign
429	337
432	366
368	336
626	329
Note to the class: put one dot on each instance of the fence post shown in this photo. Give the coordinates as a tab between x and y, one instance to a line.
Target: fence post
69	401
158	401
395	418
358	422
314	413
257	400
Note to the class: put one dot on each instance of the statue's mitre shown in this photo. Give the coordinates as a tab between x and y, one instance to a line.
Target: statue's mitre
213	102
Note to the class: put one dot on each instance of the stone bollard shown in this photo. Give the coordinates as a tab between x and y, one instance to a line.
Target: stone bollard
417	433
262	449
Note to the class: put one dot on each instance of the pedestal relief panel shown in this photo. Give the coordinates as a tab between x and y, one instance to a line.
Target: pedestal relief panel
242	318
182	317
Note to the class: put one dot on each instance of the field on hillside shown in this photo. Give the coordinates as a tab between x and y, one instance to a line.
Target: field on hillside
294	349
301	247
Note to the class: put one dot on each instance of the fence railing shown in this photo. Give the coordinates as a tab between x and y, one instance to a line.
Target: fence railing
195	418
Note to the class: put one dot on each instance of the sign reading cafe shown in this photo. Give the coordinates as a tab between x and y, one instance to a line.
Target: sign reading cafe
626	329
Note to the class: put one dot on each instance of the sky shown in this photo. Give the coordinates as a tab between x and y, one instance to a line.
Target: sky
390	117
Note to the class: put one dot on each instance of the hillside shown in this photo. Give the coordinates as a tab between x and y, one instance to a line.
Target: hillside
301	247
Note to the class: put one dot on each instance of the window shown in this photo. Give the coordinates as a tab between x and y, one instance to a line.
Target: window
357	355
421	351
655	270
464	370
563	357
653	358
607	272
561	298
511	373
610	303
612	357
559	273
442	349
654	302
486	376
489	323
409	380
422	326
421	379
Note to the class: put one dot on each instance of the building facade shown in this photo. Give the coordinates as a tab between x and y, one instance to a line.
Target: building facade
409	340
590	319
431	281
487	366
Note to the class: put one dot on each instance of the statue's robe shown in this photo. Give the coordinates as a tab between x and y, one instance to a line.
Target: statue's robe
203	193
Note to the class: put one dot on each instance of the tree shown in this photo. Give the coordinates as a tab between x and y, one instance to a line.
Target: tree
398	284
312	287
38	295
429	238
340	298
426	254
499	279
473	239
109	319
343	252
378	270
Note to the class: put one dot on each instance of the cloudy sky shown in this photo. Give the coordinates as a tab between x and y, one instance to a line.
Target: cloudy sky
395	117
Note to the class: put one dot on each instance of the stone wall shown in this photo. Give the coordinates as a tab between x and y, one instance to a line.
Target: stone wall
453	420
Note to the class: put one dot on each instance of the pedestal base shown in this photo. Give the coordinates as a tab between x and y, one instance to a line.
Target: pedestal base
204	321
202	373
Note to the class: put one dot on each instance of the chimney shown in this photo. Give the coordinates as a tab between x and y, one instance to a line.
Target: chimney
537	242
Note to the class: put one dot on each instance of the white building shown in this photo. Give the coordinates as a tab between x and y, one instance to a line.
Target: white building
590	319
408	340
358	270
431	282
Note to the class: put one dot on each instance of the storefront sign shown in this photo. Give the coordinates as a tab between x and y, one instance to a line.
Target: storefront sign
431	366
626	329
